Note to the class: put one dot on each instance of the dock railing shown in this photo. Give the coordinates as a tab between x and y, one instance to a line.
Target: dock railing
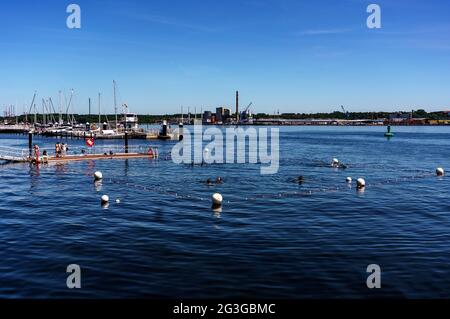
13	154
14	127
22	155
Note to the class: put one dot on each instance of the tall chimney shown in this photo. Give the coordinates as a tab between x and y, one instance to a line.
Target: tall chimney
237	105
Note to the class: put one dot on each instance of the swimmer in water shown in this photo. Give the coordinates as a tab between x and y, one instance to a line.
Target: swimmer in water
298	180
337	164
217	181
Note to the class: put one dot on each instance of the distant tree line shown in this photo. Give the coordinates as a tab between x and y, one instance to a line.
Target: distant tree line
354	115
151	119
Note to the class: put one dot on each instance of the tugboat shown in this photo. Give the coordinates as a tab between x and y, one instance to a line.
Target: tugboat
130	122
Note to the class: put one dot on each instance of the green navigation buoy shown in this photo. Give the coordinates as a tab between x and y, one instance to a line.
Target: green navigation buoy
389	133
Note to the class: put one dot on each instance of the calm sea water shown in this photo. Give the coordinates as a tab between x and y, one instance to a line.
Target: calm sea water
273	238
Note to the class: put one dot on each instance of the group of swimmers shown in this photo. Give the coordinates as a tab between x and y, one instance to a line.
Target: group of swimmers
217	181
334	163
300	179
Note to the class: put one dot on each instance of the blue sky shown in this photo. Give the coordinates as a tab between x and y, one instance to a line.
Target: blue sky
287	55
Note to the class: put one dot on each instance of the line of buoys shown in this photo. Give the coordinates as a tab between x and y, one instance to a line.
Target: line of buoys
256	197
98	176
217	199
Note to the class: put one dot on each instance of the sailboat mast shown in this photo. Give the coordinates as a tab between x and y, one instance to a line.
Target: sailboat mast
99	114
67	107
60	120
43	111
72	115
35	114
115	101
31	107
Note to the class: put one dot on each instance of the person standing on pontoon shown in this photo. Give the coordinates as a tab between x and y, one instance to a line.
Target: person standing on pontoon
44	156
63	149
37	158
58	149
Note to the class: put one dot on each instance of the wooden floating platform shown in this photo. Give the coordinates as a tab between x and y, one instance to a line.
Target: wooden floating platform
77	158
74	158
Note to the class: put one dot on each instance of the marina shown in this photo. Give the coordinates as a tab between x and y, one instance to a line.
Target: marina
49	123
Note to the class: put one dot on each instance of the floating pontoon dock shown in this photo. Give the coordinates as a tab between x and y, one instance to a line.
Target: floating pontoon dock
105	152
74	158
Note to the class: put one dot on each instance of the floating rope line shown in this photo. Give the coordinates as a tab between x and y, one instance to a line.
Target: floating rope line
421	174
154	189
162	191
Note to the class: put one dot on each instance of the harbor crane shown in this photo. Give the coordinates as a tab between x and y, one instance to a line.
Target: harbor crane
245	112
248	107
346	113
245	115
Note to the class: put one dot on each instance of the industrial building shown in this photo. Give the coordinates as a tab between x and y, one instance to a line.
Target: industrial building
224	115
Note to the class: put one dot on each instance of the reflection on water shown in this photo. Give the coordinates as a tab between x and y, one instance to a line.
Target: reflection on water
34	172
61	168
127	167
98	186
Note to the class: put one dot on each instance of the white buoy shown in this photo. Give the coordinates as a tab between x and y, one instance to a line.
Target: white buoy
361	183
105	199
335	162
440	171
118	201
217	199
349	180
98	176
